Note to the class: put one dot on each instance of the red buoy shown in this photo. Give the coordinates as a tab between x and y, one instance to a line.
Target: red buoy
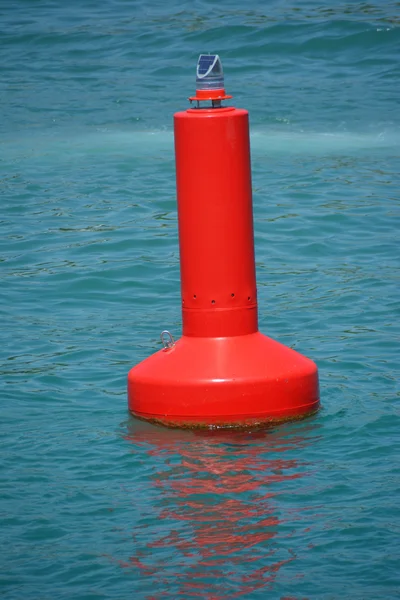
223	371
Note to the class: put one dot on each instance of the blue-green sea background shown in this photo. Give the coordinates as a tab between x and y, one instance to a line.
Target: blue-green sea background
94	504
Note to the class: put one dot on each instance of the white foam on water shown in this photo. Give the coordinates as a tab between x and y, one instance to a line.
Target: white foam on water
306	142
57	145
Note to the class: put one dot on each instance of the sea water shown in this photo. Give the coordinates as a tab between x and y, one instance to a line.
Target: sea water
94	504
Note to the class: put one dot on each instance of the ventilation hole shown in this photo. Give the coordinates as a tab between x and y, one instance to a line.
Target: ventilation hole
194	296
233	295
212	301
248	297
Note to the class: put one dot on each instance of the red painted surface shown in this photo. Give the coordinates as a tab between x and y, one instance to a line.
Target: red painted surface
202	95
222	371
215	216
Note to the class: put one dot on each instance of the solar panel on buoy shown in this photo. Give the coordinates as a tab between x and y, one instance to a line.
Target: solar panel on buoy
206	64
209	72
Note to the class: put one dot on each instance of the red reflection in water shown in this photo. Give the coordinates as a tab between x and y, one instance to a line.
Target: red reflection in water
215	501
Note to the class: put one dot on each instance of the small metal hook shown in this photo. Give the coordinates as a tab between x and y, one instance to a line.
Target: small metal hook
167	343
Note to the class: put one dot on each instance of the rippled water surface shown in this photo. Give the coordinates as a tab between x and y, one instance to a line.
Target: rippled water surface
95	505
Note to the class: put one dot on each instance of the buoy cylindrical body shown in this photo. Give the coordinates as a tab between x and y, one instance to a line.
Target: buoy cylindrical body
223	371
215	217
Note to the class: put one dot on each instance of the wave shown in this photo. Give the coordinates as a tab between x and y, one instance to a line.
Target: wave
158	144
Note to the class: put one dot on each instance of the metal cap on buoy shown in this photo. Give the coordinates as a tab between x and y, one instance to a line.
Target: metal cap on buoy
222	372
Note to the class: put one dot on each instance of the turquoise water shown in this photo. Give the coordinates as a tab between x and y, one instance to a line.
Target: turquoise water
95	505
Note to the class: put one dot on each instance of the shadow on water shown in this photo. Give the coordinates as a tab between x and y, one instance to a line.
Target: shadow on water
215	526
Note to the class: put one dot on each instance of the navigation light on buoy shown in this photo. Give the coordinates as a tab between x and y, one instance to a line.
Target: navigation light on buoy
210	81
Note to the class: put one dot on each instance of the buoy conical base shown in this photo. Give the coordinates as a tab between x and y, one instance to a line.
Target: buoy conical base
224	382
